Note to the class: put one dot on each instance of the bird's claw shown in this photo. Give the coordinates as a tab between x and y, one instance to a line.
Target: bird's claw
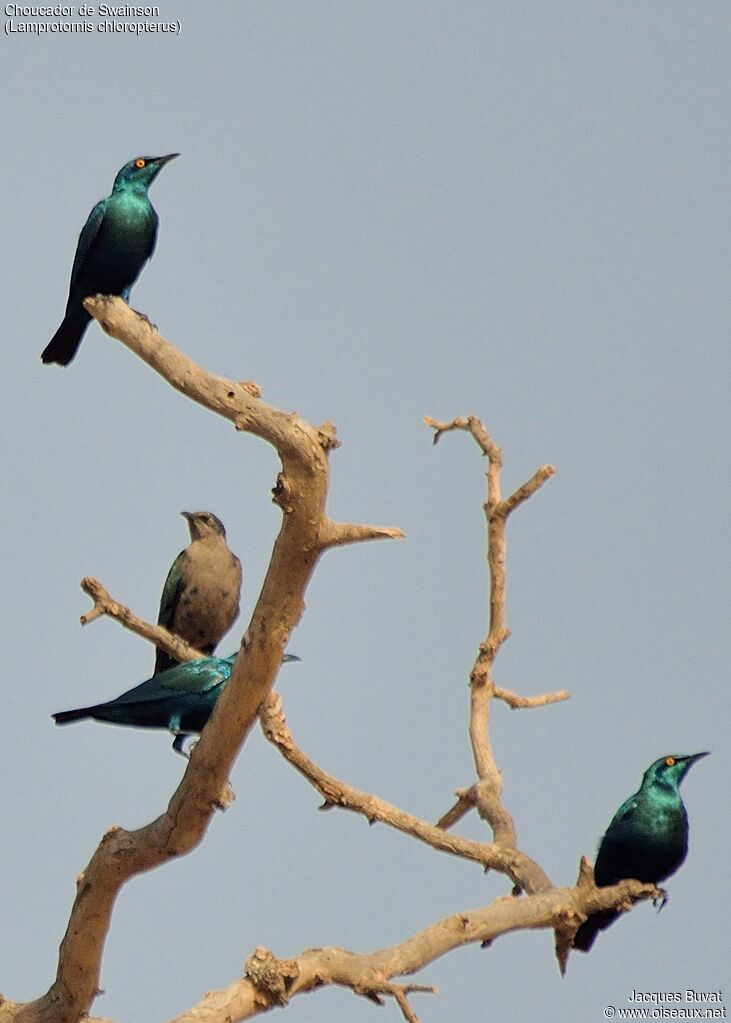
179	744
661	899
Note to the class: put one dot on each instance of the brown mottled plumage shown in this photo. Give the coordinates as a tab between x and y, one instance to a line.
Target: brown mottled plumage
200	599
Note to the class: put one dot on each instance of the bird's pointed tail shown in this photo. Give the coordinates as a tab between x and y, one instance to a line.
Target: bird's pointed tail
586	934
65	717
65	342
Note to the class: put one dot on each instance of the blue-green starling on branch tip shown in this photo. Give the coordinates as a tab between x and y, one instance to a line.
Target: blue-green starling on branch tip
647	839
115	243
200	598
180	699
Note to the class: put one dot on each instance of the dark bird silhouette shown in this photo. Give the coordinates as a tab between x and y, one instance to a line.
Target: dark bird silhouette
647	839
115	243
200	598
180	699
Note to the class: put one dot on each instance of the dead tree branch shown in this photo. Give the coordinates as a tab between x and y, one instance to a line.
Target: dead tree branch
519	867
306	531
271	982
105	604
486	793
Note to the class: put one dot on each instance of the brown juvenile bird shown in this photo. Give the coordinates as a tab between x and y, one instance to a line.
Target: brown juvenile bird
200	598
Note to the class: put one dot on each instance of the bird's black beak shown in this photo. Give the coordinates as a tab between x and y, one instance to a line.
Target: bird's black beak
165	159
690	760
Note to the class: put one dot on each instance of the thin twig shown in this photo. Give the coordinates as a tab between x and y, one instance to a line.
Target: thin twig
403	1003
516	702
105	604
462	807
526	490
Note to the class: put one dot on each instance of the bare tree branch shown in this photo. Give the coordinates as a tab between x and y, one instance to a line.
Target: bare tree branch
123	854
306	532
516	702
486	793
525	491
460	809
473	425
335	534
105	604
510	861
271	982
337	793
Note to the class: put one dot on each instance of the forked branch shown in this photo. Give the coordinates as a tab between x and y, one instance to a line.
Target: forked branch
303	450
485	793
519	867
271	982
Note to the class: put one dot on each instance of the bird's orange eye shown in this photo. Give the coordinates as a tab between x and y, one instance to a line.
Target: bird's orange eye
670	761
139	163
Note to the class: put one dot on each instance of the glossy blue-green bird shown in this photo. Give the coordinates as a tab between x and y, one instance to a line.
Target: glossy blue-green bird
180	699
647	839
115	243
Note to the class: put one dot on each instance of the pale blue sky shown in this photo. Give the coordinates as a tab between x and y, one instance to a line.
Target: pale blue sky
381	211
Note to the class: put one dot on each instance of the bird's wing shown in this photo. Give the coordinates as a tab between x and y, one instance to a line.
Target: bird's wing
622	818
86	239
192	678
171	592
153	240
619	833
